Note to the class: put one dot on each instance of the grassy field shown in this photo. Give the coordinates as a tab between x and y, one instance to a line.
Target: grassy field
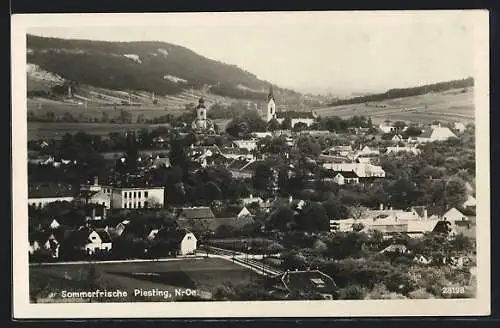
449	106
202	275
45	130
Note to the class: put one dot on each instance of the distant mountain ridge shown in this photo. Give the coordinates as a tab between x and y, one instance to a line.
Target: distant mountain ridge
149	66
408	92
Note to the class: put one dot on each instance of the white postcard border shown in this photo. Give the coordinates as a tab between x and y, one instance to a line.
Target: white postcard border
22	309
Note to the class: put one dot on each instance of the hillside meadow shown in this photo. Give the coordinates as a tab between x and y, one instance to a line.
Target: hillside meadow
448	106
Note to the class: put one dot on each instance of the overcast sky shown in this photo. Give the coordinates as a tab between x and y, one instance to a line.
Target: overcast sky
309	52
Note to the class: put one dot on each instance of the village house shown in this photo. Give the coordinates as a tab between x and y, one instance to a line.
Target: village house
453	215
470	203
236	153
252	200
195	213
459	127
397	138
387	128
262	135
91	241
95	212
414	222
232	212
136	198
347	177
242	168
397	149
437	133
40	195
299	282
173	242
121	227
366	172
46	241
344	151
248	144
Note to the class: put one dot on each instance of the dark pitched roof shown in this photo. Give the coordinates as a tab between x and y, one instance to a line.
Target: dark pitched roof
294	114
308	281
238	164
196	213
234	151
419	209
104	235
228	212
43	236
251	166
426	134
171	236
50	190
347	174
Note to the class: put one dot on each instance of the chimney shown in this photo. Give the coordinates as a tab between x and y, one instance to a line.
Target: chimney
381	207
93	212
96	181
290	199
104	212
390	208
425	213
251	196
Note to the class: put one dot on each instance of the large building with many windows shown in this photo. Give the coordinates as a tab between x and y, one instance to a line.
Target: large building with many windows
146	197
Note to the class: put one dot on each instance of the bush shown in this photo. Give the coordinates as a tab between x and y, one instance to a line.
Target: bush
420	294
352	292
380	292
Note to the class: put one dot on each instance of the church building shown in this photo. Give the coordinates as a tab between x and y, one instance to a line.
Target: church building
201	123
307	118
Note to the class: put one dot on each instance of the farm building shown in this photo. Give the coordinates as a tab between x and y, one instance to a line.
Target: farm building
172	242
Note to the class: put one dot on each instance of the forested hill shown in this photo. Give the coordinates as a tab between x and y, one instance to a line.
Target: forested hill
408	92
158	67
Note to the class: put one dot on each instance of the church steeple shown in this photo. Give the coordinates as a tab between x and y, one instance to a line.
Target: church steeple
270	94
271	105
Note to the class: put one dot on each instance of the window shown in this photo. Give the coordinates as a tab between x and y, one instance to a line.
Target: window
146	204
125	196
139	194
125	205
135	195
139	204
189	238
145	194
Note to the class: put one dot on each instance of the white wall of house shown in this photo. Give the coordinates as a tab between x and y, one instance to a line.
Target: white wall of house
244	212
188	244
137	197
96	244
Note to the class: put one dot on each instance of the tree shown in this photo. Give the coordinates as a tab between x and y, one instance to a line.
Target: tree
286	124
308	146
299	126
280	219
273	125
357	211
336	210
312	218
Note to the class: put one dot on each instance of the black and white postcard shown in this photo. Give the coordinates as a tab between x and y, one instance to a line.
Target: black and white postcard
265	164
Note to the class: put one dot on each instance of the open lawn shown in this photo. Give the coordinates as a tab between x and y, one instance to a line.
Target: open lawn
202	275
449	106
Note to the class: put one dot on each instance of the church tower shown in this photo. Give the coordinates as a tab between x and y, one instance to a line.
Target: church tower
271	106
